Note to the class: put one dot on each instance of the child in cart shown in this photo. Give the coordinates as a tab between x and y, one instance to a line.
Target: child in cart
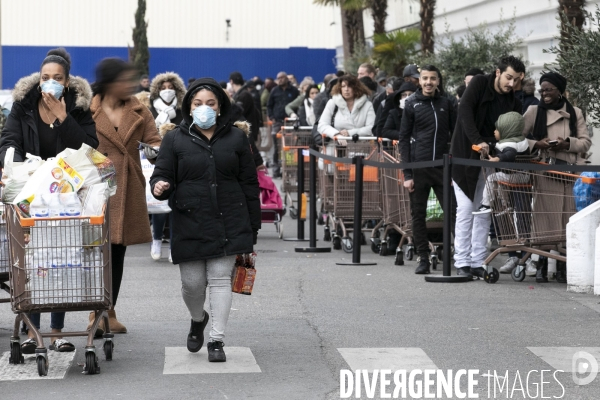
511	142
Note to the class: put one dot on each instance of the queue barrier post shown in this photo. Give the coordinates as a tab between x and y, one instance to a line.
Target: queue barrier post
300	180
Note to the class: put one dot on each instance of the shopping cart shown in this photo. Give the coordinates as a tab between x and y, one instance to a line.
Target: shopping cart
341	206
60	264
271	206
4	255
396	216
530	212
294	137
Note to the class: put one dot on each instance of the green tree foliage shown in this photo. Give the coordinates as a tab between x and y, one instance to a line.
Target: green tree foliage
576	60
480	47
362	54
139	54
393	51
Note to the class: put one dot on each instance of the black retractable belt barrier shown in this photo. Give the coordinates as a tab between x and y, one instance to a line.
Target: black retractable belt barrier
313	212
300	181
358	195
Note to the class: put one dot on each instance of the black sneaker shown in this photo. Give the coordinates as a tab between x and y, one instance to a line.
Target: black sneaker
478	272
215	352
195	338
482	210
423	267
464	271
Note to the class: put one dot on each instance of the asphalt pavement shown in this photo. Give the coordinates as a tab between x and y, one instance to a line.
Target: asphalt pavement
308	319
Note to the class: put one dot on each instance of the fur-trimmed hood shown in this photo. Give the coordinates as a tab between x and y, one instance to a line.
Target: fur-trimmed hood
243	126
167	77
144	98
77	85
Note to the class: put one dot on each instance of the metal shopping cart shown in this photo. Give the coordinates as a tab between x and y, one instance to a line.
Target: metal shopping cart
4	255
396	216
530	212
60	264
342	177
294	137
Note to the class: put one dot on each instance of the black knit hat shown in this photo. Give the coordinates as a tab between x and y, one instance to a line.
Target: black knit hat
473	72
556	79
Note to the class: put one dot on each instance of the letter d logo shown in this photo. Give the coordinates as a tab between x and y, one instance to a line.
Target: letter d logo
583	363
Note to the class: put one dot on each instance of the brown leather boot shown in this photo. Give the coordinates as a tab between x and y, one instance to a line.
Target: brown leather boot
114	324
100	330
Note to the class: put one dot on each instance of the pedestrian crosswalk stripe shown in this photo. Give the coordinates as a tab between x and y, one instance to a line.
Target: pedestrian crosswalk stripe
58	365
178	360
393	358
563	358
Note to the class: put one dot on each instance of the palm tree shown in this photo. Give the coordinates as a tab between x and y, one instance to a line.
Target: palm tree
394	50
353	30
426	14
571	14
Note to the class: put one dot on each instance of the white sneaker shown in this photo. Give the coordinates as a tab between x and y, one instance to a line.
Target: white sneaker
530	267
170	259
155	250
511	263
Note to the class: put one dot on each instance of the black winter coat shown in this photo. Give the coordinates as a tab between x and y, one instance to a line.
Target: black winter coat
213	189
319	103
278	99
21	132
470	128
391	130
430	122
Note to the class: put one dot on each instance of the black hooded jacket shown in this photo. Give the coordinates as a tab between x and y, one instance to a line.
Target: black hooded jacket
213	190
430	121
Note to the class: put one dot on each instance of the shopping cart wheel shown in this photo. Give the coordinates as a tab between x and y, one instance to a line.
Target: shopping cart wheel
363	239
410	253
293	212
91	363
347	244
383	250
327	234
491	277
108	349
280	229
434	262
321	220
440	253
337	243
375	247
518	273
16	356
399	258
42	364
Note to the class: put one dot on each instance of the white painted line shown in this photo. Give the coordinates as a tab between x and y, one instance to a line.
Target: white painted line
398	358
178	360
58	365
562	357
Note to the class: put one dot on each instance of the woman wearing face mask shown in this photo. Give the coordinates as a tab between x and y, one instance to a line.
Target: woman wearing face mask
121	123
51	112
391	129
306	113
206	170
166	94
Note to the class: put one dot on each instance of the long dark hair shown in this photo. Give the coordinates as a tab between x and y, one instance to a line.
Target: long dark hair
107	72
307	93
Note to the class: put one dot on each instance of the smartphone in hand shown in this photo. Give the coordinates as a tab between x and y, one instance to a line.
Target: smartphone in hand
553	142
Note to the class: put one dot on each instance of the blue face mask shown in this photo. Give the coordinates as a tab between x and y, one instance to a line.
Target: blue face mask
52	87
204	117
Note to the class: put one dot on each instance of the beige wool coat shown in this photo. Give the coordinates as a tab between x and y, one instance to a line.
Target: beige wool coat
128	210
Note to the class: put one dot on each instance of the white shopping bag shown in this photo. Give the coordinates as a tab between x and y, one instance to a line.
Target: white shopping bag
154	206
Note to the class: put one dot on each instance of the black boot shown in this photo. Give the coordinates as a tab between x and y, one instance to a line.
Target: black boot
541	276
215	352
561	272
423	267
195	338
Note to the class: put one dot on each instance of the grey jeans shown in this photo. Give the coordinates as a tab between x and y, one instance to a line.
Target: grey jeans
215	273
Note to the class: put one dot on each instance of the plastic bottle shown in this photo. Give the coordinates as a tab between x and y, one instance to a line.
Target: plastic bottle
42	281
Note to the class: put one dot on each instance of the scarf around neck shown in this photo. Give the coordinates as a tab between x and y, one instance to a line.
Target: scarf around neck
160	107
540	129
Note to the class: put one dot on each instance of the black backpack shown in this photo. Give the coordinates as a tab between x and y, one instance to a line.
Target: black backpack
317	138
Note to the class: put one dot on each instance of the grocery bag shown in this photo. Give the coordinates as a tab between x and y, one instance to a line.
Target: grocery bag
154	206
93	166
16	174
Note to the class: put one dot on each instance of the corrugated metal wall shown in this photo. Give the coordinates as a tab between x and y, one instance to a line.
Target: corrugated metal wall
185	36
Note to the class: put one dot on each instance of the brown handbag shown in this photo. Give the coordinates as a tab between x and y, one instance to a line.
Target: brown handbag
244	274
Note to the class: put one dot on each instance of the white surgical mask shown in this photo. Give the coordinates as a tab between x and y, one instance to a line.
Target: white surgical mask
402	102
167	95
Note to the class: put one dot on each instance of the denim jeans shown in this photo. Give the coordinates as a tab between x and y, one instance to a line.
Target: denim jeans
158	226
215	273
57	320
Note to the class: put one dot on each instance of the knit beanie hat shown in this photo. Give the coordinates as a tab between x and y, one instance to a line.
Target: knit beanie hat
510	126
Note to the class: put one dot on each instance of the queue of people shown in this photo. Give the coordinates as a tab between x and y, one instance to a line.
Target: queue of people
202	141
